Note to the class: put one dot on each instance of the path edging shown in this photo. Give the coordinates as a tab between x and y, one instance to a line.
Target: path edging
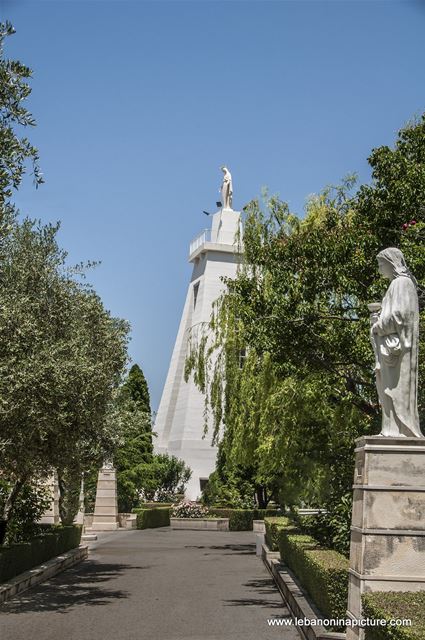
296	599
42	572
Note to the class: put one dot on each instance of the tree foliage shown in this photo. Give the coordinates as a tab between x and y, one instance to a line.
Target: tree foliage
61	356
135	388
61	353
135	448
163	478
15	151
286	363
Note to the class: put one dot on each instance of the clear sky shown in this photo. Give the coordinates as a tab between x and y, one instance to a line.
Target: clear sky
138	103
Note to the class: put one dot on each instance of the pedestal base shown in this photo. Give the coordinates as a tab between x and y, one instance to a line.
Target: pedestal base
106	508
105	526
387	549
51	516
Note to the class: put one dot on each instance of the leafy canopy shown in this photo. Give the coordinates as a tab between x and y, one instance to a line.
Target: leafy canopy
285	363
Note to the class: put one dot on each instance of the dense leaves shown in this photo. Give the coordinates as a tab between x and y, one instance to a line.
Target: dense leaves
61	353
15	151
286	363
61	356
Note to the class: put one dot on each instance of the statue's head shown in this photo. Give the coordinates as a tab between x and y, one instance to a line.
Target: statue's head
391	263
224	169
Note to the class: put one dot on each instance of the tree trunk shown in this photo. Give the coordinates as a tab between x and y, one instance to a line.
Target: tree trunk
69	480
261	494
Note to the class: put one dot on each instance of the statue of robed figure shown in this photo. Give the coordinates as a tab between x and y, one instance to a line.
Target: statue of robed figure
395	337
226	189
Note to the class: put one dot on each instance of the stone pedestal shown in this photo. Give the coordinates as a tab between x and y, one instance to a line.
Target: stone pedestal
51	516
387	550
106	508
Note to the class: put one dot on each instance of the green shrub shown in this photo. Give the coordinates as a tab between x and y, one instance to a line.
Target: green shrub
273	527
260	514
31	504
395	605
332	526
322	572
241	519
153	518
17	558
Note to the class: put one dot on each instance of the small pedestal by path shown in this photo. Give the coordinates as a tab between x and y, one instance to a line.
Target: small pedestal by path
106	507
51	516
387	551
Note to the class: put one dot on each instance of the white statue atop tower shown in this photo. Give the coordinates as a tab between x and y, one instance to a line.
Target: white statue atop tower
226	189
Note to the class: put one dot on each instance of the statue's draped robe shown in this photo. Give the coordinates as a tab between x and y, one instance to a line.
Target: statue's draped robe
397	338
226	191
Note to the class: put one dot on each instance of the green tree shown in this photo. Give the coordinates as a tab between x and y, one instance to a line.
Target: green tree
163	478
133	407
15	151
62	354
61	357
294	405
135	388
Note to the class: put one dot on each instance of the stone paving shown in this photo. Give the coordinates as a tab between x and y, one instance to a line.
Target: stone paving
158	584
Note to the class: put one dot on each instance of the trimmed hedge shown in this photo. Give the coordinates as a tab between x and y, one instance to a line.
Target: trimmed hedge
322	572
241	519
17	558
274	526
395	605
153	518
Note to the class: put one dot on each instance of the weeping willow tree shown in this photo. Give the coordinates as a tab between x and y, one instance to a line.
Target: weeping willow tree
285	363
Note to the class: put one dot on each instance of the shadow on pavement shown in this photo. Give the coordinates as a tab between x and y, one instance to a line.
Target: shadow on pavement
263	588
232	549
84	584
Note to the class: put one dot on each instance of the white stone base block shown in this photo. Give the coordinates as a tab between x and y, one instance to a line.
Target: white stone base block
200	524
105	516
259	542
258	526
387	549
51	516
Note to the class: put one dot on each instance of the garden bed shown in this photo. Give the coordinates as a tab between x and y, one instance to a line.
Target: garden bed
242	519
17	558
322	572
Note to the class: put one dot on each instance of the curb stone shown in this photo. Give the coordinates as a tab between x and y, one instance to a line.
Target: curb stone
296	599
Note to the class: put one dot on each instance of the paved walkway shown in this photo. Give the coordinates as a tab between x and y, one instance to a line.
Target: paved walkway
157	584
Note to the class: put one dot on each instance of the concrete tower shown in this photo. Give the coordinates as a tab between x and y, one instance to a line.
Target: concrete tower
180	419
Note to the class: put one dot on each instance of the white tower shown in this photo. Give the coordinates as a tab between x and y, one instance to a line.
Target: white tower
180	419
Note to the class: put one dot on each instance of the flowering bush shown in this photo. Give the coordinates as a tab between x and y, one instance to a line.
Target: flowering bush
188	509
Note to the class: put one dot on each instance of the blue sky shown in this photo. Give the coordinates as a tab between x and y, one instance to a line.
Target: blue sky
138	104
